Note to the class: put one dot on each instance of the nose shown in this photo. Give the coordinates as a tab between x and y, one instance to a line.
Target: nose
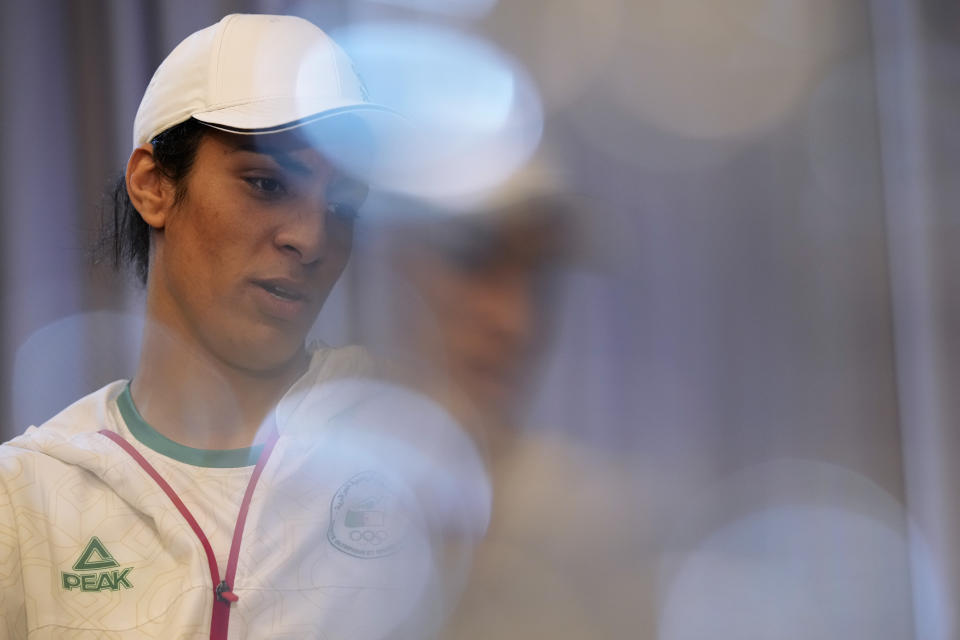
511	311
304	232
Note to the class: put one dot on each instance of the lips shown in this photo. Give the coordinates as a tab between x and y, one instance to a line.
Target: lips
282	298
281	291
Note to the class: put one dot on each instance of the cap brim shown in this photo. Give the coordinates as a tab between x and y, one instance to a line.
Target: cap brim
367	140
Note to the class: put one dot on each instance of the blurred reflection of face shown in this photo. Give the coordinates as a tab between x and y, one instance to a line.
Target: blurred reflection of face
484	288
248	257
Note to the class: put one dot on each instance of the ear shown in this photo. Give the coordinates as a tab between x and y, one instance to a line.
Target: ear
151	193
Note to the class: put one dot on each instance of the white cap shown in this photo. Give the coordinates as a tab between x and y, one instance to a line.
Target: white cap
252	74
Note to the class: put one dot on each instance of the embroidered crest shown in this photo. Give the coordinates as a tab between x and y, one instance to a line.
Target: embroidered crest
366	520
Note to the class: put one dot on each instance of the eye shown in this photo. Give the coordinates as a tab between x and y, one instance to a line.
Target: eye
266	185
346	197
343	211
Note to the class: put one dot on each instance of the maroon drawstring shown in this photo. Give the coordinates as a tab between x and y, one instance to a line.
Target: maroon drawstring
222	588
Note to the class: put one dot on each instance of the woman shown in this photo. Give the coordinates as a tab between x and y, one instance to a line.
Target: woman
181	504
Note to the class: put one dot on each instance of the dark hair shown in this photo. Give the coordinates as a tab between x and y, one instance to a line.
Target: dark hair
125	238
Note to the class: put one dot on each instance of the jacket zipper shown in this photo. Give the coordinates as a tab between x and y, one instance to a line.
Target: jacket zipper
223	595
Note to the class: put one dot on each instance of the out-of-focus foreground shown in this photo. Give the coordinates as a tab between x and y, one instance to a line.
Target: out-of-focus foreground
711	374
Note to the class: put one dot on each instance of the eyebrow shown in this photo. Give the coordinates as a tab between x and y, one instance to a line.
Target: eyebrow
279	156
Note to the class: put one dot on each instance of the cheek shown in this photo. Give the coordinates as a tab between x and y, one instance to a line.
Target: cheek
341	241
455	301
206	243
192	240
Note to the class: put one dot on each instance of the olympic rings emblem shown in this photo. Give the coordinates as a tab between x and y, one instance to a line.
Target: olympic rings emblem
365	520
369	535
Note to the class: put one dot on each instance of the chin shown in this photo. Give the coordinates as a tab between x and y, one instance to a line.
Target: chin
492	395
270	364
266	354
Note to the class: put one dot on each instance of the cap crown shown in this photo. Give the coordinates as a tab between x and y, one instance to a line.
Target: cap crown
251	74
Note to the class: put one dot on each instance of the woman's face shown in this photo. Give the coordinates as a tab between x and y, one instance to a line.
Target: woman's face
484	305
247	258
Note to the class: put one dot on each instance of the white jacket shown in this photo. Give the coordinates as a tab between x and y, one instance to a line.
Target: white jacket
339	539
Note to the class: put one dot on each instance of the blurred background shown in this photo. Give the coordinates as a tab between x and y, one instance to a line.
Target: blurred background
751	358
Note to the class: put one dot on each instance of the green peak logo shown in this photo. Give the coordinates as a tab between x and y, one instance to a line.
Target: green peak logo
95	558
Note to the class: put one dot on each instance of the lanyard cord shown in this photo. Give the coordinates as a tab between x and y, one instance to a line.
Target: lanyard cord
222	588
